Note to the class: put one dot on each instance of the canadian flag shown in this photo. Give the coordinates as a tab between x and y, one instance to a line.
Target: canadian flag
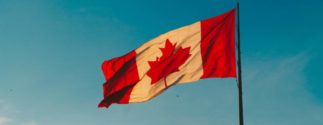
205	49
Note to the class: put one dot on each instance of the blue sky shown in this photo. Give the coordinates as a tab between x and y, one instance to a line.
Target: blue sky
51	52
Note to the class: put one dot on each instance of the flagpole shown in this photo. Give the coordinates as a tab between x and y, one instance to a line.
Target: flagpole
241	121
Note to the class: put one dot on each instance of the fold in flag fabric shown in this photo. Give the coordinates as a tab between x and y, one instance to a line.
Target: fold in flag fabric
205	49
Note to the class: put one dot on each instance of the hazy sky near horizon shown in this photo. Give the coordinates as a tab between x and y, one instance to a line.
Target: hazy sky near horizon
51	53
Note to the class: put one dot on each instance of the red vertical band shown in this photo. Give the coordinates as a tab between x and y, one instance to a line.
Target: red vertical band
121	75
218	46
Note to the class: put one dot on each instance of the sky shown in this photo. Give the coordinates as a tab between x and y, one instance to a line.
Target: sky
51	53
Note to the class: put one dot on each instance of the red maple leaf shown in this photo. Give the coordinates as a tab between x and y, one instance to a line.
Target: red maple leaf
168	63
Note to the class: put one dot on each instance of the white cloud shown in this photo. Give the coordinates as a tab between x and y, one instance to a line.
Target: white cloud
12	115
4	120
30	123
275	92
4	107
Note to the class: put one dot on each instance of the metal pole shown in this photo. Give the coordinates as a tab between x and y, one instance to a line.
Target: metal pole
241	121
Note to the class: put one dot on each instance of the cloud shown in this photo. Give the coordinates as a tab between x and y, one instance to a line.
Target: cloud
4	107
4	120
13	116
30	123
275	92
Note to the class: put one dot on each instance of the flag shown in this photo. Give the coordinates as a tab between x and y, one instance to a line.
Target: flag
205	49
